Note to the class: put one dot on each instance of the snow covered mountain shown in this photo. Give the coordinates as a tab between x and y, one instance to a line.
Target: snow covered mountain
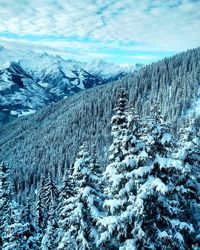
30	80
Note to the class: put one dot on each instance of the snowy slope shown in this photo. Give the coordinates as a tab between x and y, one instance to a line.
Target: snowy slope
109	70
30	80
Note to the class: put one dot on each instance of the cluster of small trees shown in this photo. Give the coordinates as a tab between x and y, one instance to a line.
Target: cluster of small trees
146	198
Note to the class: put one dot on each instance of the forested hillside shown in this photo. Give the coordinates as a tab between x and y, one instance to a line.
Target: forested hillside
50	138
146	197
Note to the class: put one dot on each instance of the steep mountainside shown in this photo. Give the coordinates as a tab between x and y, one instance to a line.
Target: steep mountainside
51	136
29	80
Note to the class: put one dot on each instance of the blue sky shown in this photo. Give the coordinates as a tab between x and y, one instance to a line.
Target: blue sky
120	31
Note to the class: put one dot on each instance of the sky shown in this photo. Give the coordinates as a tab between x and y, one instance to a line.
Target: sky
119	31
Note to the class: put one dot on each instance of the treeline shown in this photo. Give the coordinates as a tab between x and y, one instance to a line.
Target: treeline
147	197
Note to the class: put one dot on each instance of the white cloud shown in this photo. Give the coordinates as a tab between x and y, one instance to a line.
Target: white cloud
61	48
153	25
145	57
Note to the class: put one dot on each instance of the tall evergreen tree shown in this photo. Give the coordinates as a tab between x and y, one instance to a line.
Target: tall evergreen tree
18	232
189	154
163	195
116	227
28	217
190	145
65	194
40	208
50	198
81	210
49	238
14	228
50	192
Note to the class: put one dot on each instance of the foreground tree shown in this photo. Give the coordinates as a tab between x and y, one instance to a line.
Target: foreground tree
81	210
190	146
164	193
117	225
40	208
19	231
189	154
50	195
50	199
49	238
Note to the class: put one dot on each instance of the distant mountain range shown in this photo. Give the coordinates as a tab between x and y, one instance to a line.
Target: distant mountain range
30	80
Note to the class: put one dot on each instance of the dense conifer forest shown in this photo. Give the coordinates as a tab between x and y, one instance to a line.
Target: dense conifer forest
146	197
114	167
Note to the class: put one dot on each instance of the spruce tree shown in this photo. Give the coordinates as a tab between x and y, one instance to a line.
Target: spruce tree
33	235
163	195
50	192
190	145
96	197
189	154
18	231
49	238
66	189
15	227
81	210
50	199
117	225
40	208
66	192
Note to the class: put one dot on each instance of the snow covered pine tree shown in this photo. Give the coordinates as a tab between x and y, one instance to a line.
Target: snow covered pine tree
40	206
50	200
14	232
189	154
65	199
163	195
81	210
117	225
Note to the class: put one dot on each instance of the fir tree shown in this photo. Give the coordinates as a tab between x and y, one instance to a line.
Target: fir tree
116	227
162	195
66	192
33	235
189	154
40	208
18	231
49	238
81	211
190	146
50	192
16	228
50	199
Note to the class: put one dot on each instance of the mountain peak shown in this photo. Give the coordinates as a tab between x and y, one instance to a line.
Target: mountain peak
6	65
31	80
99	62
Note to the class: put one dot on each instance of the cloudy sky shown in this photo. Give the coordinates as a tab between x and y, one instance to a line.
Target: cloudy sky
116	30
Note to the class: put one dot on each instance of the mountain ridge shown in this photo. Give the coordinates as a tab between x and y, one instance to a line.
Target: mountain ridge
30	80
